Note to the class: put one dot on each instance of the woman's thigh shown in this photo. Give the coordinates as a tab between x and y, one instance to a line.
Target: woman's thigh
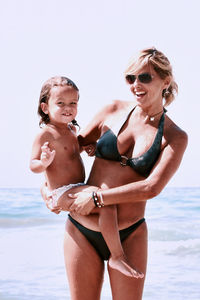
135	248
84	267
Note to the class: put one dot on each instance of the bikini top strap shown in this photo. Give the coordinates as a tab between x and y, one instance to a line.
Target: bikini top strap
119	124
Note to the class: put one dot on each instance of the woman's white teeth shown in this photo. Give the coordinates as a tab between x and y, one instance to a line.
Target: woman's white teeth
140	93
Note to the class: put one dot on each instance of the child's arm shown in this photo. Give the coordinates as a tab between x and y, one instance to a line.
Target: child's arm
46	158
41	156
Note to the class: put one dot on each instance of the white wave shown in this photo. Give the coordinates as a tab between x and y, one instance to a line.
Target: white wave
183	248
26	222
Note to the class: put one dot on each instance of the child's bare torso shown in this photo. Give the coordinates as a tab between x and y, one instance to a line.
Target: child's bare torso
67	166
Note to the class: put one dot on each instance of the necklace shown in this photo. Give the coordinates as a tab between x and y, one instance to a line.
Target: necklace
152	118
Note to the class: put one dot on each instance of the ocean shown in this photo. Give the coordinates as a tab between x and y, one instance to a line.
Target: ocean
31	250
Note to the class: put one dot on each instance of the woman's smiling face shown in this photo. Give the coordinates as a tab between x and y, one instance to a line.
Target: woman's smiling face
148	94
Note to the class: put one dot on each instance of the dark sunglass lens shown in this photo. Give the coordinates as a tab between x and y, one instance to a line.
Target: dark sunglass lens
130	79
145	78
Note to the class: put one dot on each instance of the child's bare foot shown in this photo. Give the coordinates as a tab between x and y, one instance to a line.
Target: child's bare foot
122	265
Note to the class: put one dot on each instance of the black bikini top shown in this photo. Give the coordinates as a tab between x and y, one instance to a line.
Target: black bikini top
107	149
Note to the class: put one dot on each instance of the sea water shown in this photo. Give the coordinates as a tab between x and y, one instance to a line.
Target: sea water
31	247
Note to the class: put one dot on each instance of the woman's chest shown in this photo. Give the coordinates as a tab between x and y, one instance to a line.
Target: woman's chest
133	140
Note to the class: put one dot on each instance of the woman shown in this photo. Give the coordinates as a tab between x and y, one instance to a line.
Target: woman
138	150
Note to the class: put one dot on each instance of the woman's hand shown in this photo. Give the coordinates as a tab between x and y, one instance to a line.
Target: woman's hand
48	199
83	203
90	149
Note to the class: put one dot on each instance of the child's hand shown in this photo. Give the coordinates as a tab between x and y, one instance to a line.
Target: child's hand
47	156
90	149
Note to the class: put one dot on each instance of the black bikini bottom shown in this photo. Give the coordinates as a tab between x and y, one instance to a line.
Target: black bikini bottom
96	239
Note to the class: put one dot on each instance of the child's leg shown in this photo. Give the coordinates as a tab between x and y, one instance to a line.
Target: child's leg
109	228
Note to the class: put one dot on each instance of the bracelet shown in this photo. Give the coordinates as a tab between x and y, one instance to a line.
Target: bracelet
101	199
96	200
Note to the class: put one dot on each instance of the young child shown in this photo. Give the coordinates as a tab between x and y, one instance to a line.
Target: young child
56	152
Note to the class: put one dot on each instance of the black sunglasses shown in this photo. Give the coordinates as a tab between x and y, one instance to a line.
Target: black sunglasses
143	78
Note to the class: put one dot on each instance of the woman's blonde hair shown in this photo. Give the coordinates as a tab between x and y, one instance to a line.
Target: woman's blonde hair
161	65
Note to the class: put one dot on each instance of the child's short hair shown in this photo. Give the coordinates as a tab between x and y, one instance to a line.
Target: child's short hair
45	94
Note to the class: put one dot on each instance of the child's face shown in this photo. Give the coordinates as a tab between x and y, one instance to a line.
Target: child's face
62	104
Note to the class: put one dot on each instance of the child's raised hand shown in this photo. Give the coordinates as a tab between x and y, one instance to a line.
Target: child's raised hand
47	156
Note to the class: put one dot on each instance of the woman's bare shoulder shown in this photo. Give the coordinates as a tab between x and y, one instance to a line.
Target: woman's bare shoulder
175	134
117	105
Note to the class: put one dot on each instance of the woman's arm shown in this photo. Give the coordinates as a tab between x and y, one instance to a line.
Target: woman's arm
93	130
48	200
167	164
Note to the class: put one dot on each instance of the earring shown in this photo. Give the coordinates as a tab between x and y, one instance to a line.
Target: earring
165	93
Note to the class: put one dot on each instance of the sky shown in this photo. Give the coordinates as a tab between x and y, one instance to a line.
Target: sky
91	42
